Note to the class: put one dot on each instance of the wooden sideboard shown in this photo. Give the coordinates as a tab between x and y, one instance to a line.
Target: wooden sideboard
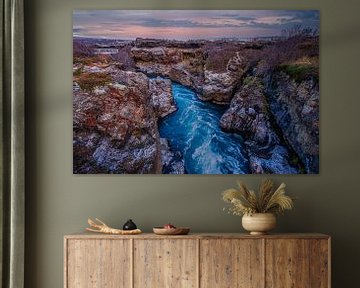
197	260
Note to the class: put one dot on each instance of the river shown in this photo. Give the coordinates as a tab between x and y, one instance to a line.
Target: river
194	130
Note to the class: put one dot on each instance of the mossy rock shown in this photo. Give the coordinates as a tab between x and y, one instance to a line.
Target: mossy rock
301	72
88	81
253	81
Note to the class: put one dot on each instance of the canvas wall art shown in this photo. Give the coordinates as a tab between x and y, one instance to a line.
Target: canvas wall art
196	92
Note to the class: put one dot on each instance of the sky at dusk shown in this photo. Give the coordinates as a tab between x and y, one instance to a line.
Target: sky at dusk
189	24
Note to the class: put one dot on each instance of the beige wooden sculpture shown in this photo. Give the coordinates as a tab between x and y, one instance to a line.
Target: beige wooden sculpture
101	227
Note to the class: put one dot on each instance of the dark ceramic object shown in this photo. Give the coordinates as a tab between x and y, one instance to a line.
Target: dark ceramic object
129	225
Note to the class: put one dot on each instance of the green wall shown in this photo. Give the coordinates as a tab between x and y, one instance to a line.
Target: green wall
59	203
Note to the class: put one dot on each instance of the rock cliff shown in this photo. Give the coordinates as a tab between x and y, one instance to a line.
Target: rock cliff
187	66
162	99
182	65
115	122
272	93
249	115
295	107
219	87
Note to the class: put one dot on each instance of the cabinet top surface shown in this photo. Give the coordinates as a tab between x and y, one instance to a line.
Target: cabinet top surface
86	235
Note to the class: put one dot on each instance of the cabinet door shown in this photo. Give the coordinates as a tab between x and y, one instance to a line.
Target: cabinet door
320	263
98	263
287	263
231	263
167	263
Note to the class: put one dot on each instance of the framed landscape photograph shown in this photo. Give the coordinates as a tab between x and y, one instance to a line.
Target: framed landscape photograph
196	92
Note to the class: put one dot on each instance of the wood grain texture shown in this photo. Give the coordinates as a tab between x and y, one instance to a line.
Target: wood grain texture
319	263
165	263
88	235
287	263
231	263
197	260
98	264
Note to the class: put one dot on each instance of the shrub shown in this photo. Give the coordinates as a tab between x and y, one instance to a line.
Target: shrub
89	60
302	69
300	43
88	81
218	55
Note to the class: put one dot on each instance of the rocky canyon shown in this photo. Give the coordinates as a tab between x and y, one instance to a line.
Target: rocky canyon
265	94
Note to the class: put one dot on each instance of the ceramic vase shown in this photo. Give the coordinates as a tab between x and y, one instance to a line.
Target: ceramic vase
259	223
